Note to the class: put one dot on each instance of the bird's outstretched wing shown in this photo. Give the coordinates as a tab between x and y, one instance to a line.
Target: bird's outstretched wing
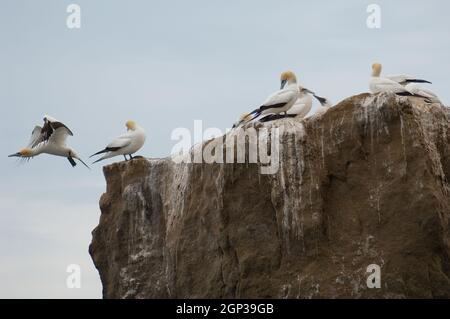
59	135
50	126
36	137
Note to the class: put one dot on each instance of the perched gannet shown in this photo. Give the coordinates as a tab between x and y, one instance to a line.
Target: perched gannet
301	107
280	101
325	104
303	104
418	90
126	144
50	140
378	84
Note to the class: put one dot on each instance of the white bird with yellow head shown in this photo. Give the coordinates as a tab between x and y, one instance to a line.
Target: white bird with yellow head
126	144
50	139
392	84
280	101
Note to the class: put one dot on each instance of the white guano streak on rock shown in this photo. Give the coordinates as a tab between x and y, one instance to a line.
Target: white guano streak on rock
292	159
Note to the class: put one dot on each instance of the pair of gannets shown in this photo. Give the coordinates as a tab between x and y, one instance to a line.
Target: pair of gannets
291	100
51	139
400	84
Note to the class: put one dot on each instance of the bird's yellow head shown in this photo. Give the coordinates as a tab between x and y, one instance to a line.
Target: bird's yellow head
376	69
131	125
25	152
287	77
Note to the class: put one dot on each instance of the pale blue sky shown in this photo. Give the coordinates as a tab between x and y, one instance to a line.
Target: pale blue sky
166	64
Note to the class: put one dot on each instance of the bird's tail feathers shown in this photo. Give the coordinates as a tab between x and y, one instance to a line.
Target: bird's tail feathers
322	100
99	152
102	158
82	162
253	115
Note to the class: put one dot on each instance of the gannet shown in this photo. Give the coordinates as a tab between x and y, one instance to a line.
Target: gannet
378	84
126	144
51	141
418	90
301	107
280	101
303	104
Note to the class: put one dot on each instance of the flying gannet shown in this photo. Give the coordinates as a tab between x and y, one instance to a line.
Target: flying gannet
126	144
299	110
280	101
378	84
50	140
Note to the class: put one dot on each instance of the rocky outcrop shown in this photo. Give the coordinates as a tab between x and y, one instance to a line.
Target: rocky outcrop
365	183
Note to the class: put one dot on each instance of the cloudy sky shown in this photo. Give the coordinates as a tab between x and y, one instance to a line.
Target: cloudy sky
166	64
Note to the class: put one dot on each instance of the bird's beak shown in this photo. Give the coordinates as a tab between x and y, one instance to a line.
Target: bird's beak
283	83
15	155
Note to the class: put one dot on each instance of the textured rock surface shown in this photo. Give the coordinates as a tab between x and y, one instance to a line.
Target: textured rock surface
364	183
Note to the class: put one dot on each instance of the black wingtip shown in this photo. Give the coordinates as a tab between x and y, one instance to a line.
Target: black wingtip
404	94
273	117
411	94
99	152
418	81
97	161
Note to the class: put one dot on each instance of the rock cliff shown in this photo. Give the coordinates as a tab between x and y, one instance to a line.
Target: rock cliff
365	183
